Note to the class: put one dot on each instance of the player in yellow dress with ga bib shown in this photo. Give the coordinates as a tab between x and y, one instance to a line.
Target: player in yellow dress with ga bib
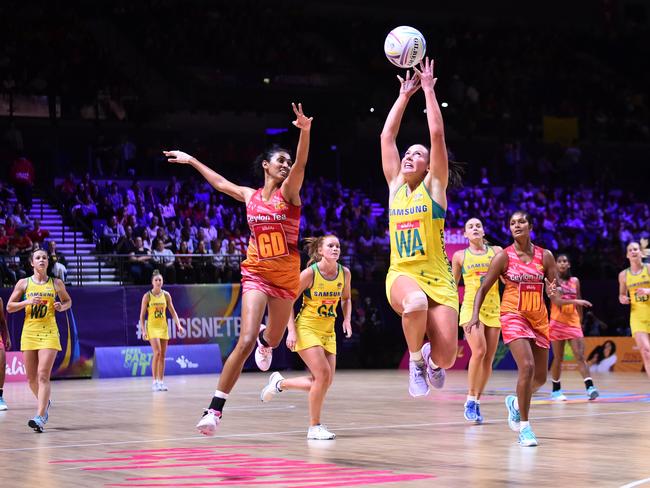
472	264
634	290
323	284
155	304
419	285
39	342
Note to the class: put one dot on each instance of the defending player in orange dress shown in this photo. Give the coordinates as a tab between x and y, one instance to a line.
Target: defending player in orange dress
271	271
524	318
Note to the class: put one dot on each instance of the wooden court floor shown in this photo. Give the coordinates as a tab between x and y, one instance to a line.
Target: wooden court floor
119	433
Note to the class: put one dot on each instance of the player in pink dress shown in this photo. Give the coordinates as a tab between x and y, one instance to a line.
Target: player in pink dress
271	271
524	268
566	325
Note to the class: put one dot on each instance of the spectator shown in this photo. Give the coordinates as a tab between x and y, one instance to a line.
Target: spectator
57	262
164	261
152	228
22	175
115	196
21	242
201	263
113	232
140	263
38	234
233	258
184	267
13	266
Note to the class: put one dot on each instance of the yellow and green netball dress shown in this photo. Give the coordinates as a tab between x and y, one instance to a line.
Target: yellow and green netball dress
639	305
40	330
157	317
315	321
475	267
417	245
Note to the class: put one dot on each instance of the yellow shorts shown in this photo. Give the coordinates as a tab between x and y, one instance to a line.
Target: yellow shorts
158	332
639	323
307	337
488	315
444	292
34	340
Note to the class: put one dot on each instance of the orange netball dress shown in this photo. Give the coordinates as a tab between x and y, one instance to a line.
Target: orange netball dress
523	311
565	320
272	262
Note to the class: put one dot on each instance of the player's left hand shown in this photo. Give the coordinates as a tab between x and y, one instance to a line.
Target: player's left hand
302	121
57	306
425	73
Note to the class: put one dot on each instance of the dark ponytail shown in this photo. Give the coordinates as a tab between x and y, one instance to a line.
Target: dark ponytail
266	155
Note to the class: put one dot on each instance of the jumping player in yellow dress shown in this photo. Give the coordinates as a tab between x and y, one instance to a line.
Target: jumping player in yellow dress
634	290
155	304
472	264
419	283
322	284
40	341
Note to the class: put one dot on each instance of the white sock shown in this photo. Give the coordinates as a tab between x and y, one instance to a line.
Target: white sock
523	425
516	403
471	398
416	356
432	364
221	394
478	402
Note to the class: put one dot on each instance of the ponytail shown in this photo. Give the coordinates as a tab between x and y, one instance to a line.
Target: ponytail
312	246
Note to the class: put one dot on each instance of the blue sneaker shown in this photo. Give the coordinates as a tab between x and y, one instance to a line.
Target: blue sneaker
3	404
479	417
37	423
417	384
558	396
527	438
513	414
471	414
436	376
592	393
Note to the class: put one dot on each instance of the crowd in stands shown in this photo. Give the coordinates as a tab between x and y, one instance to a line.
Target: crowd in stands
20	236
193	233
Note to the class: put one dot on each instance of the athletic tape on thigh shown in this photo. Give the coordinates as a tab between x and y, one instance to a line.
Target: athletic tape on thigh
415	301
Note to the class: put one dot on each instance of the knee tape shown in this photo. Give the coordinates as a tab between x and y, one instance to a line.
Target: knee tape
415	301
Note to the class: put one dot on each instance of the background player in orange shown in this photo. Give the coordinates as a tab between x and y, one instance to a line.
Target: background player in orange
471	264
524	318
566	325
5	343
634	290
323	283
271	271
419	284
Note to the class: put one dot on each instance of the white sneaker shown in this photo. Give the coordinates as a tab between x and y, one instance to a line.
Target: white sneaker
208	423
162	387
155	386
320	433
272	387
263	355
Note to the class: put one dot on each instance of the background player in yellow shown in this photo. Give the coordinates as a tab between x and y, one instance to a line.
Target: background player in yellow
472	264
419	283
323	283
155	304
40	341
634	290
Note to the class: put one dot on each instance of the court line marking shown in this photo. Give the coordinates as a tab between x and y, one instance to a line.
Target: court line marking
636	483
302	431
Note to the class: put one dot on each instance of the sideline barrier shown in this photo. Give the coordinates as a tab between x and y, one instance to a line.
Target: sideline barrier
118	362
15	369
